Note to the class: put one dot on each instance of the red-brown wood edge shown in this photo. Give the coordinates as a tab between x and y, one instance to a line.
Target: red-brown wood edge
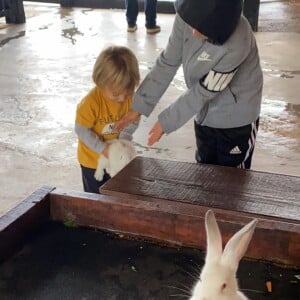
17	225
176	223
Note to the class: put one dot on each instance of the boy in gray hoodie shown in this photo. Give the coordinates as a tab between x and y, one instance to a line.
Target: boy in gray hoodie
216	47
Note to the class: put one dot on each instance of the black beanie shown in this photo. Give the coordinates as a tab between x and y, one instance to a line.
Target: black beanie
217	19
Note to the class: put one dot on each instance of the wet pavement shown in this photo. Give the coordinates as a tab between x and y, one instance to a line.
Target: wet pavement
45	69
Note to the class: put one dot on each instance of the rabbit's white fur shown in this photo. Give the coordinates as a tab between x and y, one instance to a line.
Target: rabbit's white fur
217	279
120	153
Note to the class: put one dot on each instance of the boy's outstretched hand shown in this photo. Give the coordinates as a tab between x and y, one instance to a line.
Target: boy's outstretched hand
127	119
155	134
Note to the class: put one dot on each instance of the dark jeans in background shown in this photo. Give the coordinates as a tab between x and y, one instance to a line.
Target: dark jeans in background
132	11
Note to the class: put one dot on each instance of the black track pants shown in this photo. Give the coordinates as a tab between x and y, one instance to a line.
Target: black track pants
226	147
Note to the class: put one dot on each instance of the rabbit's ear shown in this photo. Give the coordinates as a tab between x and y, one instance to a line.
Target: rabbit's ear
238	244
213	236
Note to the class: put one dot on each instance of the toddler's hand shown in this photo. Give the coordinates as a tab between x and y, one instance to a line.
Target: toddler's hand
155	134
129	118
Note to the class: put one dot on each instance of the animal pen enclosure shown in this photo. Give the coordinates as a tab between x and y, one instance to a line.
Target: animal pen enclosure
142	237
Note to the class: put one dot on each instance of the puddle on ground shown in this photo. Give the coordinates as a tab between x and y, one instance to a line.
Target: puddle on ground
281	73
18	35
70	31
281	119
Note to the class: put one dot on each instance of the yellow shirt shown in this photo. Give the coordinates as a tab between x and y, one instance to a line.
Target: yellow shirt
100	114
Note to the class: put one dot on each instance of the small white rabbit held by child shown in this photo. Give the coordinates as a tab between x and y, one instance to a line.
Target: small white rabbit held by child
120	153
217	279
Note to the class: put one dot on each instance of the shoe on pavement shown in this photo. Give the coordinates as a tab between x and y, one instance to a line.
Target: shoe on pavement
131	28
153	30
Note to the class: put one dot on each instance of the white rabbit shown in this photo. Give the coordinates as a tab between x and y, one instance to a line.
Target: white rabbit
120	153
217	279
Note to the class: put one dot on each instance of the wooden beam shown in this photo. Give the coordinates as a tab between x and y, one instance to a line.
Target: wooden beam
17	225
239	190
251	12
175	223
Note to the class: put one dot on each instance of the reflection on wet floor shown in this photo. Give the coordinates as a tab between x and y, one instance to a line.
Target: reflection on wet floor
281	117
280	122
282	73
279	16
45	69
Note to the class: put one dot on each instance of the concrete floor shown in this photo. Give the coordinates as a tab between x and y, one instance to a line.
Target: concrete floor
45	69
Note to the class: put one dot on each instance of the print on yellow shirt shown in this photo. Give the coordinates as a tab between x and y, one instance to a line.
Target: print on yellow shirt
99	114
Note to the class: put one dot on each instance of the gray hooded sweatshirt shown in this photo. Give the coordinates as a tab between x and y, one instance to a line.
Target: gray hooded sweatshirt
224	82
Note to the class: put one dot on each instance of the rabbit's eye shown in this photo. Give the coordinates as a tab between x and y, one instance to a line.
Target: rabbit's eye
223	287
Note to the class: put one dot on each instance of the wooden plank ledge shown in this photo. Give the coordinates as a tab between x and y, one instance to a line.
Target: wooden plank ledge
239	190
188	190
176	223
17	225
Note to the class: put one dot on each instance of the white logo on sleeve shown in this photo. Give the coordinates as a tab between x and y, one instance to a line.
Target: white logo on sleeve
216	81
235	150
204	56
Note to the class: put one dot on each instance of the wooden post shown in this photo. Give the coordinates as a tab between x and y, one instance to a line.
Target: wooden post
251	12
14	12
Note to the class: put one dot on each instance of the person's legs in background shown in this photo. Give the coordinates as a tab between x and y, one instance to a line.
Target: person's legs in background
132	11
150	14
